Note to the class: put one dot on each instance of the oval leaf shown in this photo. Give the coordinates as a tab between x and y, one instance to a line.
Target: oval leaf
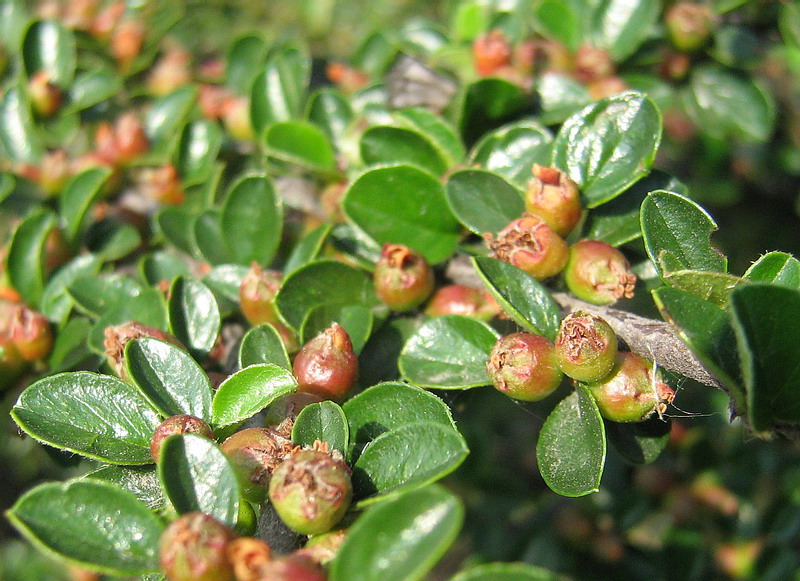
307	249
167	116
249	391
142	481
263	344
639	442
482	201
511	151
200	143
18	134
97	416
323	421
383	144
92	87
252	220
56	303
448	352
714	287
301	143
277	92
193	314
506	572
775	267
622	25
571	450
78	196
49	47
356	320
146	307
26	255
331	112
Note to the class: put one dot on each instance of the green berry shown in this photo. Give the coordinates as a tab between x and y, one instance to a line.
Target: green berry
194	548
523	366
586	347
326	366
530	244
180	424
255	453
257	295
555	198
689	25
403	278
598	273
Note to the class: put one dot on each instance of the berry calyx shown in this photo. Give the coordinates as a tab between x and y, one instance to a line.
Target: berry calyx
257	295
326	366
523	366
530	244
311	490
249	557
555	198
254	454
403	278
117	336
598	273
586	347
281	414
194	548
180	424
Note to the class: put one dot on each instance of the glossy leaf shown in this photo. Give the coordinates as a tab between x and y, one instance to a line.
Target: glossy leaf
94	295
197	476
775	267
714	287
384	144
559	20
92	87
440	133
245	57
110	530
56	302
193	314
571	450
307	249
18	135
224	281
27	255
78	197
252	220
249	391
448	352
177	225
522	297
142	481
161	267
325	282
197	151
49	47
70	349
356	320
330	111
511	151
210	239
277	91
483	201
768	345
97	416
609	145
301	143
407	457
172	381
323	421
112	240
560	96
263	344
167	115
403	204
505	572
146	307
676	234
488	103
622	25
639	442
400	539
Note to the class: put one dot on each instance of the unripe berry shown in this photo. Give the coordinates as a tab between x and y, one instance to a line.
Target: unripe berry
326	366
631	392
254	454
491	52
403	278
45	96
180	424
586	347
281	414
598	273
30	332
54	171
12	365
311	490
555	198
530	244
457	299
117	336
689	25
257	295
194	548
293	568
323	548
249	557
523	366
170	72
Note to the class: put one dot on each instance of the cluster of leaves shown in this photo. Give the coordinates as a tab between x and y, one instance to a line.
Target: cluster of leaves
311	182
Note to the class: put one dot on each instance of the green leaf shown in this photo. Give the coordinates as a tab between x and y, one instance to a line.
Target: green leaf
301	143
197	476
18	134
622	25
384	144
356	320
210	239
676	234
142	481
768	342
92	87
488	103
177	226
307	249
193	314
94	295
560	96
252	220
390	405
263	344
56	302
725	104
558	20
714	287
609	145
168	377
775	267
197	151
278	90
245	57
78	197
97	416
49	47
436	129
378	360
505	572
406	457
448	352
511	151
112	240
521	296
571	450
640	442
483	201
14	18
146	308
70	348
325	282
324	421
329	110
403	204
400	539
160	266
95	525
7	183
167	116
247	392
27	255
789	23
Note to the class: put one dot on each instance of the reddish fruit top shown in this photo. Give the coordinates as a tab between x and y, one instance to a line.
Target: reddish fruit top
255	453
117	336
689	25
555	198
530	244
294	568
403	278
326	366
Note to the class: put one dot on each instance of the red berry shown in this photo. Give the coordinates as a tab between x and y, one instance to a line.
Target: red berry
194	548
326	366
403	278
689	25
523	366
457	299
530	244
598	273
180	424
30	332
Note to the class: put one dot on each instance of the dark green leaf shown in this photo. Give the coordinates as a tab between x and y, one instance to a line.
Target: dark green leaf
252	220
609	145
488	103
571	450
142	481
789	23
448	352
177	225
559	97
384	144
331	112
278	90
49	47
403	204
56	302
522	297
166	117
400	539
110	531
112	240
505	572
210	239
147	308
324	421
768	341
159	267
97	416
263	344
245	58
559	20
198	149
512	150
197	476
70	348
78	197
714	287
169	378
94	295
676	234
224	281
440	133
378	360
18	135
7	183
622	25
301	143
357	320
91	88
482	201
307	249
193	314
640	442
249	391
775	267
409	456
27	255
